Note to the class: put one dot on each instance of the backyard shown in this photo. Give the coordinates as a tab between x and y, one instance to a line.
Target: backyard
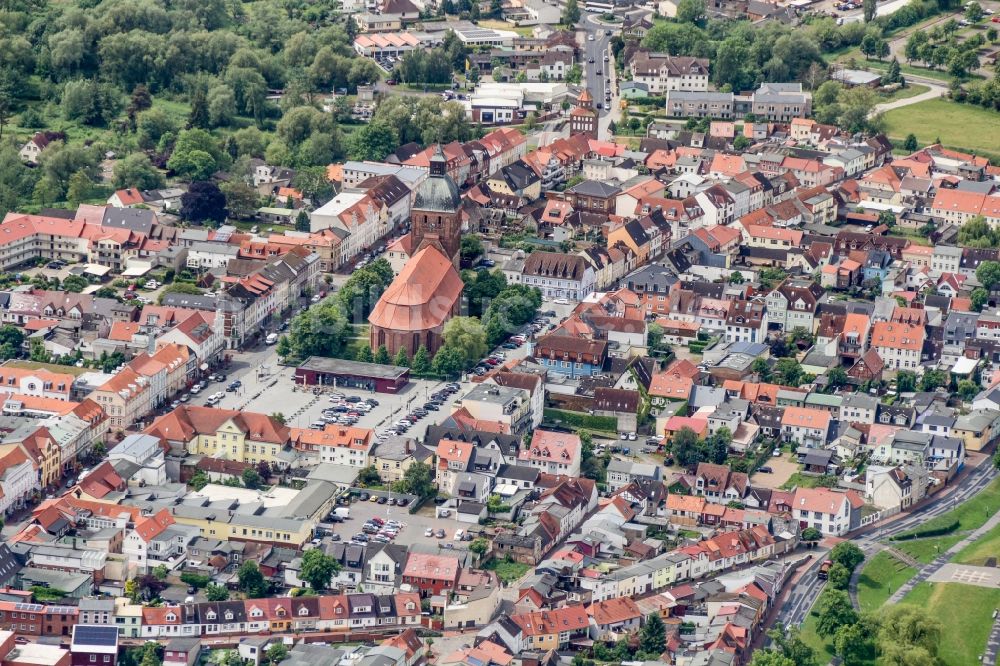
881	575
507	571
956	125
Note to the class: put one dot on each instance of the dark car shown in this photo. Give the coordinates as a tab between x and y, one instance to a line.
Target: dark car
431	407
382	500
364	497
372	401
352	398
403	501
766	470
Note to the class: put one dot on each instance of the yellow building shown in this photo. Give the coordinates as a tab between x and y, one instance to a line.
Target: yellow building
225	525
228	434
43	449
977	428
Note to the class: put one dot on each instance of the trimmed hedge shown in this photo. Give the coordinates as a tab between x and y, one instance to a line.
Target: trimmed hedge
578	420
932	532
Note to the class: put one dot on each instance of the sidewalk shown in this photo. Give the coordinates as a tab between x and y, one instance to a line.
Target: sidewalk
928	570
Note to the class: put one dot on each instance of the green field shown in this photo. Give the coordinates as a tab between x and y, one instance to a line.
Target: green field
978	552
507	571
966	616
961	126
970	514
881	576
926	550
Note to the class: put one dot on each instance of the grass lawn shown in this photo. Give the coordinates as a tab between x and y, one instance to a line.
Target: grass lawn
800	480
507	571
988	546
882	575
823	647
972	513
52	367
960	125
903	93
966	614
905	69
912	234
523	30
925	550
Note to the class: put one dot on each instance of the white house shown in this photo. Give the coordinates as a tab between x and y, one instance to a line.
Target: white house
832	513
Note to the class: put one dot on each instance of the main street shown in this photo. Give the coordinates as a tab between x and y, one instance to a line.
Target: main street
597	71
809	586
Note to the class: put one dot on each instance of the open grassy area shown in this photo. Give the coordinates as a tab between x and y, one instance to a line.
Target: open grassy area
821	646
912	234
904	93
926	550
800	480
881	576
978	552
966	615
970	514
962	126
507	571
51	367
523	30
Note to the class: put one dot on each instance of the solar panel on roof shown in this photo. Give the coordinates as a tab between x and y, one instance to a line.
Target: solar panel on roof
88	634
28	607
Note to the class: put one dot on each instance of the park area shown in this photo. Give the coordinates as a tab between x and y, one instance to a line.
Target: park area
966	616
881	575
960	126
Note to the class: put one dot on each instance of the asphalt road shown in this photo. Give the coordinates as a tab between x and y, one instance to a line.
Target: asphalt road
594	52
805	592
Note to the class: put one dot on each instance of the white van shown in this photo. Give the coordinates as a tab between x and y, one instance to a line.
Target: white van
271	338
459	534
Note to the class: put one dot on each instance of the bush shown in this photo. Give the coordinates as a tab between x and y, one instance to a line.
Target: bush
195	580
930	532
578	420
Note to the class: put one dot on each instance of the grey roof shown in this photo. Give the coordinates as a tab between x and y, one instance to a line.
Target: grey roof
595	188
438	193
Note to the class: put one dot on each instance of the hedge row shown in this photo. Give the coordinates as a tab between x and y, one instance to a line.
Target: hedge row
932	532
579	420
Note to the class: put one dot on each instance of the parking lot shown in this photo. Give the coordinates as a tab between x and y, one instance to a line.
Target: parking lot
415	524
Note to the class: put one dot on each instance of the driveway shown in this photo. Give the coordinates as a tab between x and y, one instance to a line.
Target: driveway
783	468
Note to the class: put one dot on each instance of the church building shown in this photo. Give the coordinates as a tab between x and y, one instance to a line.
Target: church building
427	292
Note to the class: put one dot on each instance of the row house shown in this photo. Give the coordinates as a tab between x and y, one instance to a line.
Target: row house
662	72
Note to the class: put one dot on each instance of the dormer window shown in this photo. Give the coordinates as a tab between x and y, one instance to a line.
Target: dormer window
229	615
210	615
303	611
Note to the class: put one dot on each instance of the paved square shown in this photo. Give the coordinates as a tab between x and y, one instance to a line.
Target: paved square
969	575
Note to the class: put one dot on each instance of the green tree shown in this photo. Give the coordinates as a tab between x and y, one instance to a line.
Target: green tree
974	12
687	447
717	446
933	379
382	356
81	188
653	636
789	371
910	143
250	478
137	171
988	274
838	576
215	592
571	13
847	554
365	354
471	248
811	535
369	476
318	569
690	11
242	200
251	580
421	364
868	7
979	297
417	480
836	377
907	626
150	654
833	611
276	653
302	222
770	658
855	643
401	359
906	381
449	362
160	572
373	141
977	233
791	645
967	390
467	336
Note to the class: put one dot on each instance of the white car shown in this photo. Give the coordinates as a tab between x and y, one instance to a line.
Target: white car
459	534
429	532
561	301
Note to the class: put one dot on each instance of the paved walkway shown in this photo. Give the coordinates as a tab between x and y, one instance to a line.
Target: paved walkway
967	574
935	91
930	569
993	643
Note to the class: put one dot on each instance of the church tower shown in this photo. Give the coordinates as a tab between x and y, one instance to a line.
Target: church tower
436	216
583	117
